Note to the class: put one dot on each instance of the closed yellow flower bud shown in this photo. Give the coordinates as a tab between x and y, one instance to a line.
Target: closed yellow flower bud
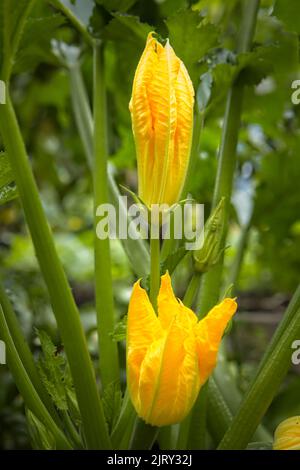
287	435
170	356
161	109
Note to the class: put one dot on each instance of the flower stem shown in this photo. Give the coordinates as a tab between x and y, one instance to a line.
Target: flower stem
267	380
108	349
126	416
155	270
211	282
73	19
62	301
192	290
143	436
227	157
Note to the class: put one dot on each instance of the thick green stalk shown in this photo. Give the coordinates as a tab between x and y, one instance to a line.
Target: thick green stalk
238	260
143	436
25	387
126	417
231	394
192	290
137	250
64	308
108	349
72	431
82	112
211	282
265	384
24	353
155	270
219	415
168	437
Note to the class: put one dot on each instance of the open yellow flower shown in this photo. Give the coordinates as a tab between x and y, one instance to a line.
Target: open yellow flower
170	356
161	109
287	435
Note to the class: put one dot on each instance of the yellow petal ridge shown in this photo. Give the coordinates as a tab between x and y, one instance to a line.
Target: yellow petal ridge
209	332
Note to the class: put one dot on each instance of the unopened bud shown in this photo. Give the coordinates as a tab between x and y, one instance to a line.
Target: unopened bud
209	255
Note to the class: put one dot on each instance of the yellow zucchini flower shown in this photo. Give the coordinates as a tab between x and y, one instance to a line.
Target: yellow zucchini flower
287	435
161	109
170	356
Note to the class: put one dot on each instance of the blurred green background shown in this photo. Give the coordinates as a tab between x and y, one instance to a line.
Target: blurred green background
263	258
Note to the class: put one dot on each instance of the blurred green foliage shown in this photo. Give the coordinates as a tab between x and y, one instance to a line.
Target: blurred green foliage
266	185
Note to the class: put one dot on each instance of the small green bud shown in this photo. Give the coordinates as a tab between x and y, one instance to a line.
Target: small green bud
209	255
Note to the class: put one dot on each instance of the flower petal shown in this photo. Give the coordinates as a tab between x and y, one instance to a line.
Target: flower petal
287	434
140	109
169	306
143	329
209	332
184	95
171	366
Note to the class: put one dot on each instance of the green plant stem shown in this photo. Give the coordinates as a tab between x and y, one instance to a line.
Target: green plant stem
143	436
74	20
233	397
108	349
168	437
155	271
24	353
74	436
82	112
192	290
219	415
210	288
137	250
211	282
265	384
26	388
64	308
238	259
197	430
127	416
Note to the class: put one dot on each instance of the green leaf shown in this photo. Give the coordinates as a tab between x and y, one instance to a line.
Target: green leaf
35	46
8	190
8	193
54	372
116	5
6	176
127	28
119	333
112	401
81	9
41	438
250	67
288	11
11	23
187	29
